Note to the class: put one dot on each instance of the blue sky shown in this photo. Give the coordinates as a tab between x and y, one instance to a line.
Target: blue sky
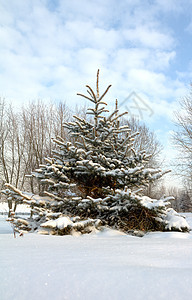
51	49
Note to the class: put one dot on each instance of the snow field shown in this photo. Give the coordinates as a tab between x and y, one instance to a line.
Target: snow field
106	265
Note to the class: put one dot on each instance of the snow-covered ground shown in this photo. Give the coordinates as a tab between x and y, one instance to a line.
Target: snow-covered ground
104	266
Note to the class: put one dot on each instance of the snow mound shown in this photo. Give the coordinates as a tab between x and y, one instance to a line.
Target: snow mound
175	220
59	223
70	226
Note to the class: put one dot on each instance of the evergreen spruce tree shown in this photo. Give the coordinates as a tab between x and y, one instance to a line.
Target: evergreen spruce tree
96	180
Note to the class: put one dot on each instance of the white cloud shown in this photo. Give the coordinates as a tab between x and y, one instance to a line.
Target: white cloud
148	37
175	6
53	51
189	28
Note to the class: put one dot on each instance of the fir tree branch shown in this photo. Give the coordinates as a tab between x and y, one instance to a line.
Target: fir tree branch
12	188
86	97
53	196
92	93
104	93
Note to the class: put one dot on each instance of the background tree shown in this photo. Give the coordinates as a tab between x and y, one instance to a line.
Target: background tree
185	202
41	122
4	131
146	140
26	138
182	138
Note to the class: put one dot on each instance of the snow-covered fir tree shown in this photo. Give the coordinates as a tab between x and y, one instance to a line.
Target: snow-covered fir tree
96	180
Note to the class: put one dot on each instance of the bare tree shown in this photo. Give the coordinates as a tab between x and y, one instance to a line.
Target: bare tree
147	141
9	144
25	139
182	139
4	131
41	123
10	147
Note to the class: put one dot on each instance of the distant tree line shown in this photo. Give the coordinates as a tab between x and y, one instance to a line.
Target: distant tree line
25	138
